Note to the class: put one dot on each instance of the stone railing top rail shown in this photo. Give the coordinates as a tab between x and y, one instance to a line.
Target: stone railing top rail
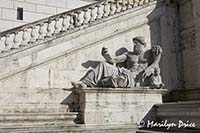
47	28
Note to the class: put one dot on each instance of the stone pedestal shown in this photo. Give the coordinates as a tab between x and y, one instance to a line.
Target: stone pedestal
102	106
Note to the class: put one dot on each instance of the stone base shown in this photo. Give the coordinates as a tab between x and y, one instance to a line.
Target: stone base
36	119
79	128
102	106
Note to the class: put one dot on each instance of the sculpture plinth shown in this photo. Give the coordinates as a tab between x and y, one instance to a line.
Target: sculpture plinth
116	105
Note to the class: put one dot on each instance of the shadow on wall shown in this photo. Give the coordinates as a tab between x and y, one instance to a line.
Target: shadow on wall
164	31
148	118
72	102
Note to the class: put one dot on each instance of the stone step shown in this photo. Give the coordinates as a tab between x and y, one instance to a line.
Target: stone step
149	131
33	108
165	131
23	119
184	114
32	100
78	128
179	109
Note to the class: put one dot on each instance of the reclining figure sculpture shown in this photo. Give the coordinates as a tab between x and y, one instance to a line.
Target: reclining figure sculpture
137	71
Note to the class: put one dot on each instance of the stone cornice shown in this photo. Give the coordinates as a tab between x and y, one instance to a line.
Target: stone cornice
142	90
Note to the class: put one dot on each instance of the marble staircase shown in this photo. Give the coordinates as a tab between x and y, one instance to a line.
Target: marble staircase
38	60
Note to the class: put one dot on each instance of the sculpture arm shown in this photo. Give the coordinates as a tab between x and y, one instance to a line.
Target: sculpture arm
113	60
155	62
150	69
118	59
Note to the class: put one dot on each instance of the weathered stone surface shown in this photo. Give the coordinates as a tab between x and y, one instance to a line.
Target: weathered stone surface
189	21
187	112
72	129
184	95
34	100
116	106
37	119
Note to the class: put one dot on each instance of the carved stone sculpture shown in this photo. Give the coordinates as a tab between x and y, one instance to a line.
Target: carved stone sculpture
151	74
136	72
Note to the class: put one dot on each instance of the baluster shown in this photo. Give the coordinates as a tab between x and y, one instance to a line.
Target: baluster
112	8
42	31
78	18
71	21
92	14
118	7
34	33
3	44
141	2
106	9
136	3
66	23
18	39
86	16
146	1
50	28
129	4
26	36
123	5
58	25
9	43
100	11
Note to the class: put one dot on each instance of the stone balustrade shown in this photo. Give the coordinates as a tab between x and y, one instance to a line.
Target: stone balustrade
29	34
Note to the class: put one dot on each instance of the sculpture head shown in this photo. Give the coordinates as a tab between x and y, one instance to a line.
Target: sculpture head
156	50
139	45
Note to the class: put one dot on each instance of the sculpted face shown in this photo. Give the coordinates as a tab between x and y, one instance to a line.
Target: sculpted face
138	47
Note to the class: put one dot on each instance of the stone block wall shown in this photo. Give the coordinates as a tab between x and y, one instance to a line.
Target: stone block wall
33	10
189	31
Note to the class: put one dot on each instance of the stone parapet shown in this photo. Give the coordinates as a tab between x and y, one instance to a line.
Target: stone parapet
116	105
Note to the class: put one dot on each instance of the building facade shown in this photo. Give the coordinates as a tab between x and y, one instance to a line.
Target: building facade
14	13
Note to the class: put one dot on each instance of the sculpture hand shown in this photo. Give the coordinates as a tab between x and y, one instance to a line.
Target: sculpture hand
104	51
105	54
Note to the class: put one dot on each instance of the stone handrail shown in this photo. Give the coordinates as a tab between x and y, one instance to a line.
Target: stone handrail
31	33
